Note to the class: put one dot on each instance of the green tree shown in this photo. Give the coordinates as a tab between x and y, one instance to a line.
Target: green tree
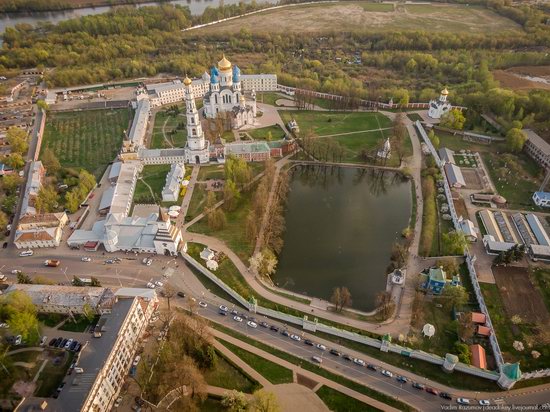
454	296
515	139
453	119
95	282
86	181
15	160
433	138
88	312
216	219
235	401
264	401
454	243
23	278
41	104
231	195
3	221
77	281
8	204
26	325
50	161
17	138
463	352
10	183
72	200
47	199
16	301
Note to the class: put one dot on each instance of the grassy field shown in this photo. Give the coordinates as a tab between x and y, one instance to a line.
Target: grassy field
51	319
82	323
86	139
277	133
271	97
176	136
211	172
507	333
53	375
226	375
153	178
331	123
367	16
273	372
339	402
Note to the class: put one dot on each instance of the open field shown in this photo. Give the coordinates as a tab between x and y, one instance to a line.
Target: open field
273	372
508	332
86	139
174	129
225	375
277	133
364	16
524	77
150	183
339	402
331	123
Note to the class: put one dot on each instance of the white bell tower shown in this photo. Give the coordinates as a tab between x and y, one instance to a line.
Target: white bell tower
196	148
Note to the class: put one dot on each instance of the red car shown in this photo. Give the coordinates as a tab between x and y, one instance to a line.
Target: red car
432	391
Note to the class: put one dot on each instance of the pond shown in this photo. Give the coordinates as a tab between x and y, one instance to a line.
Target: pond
196	8
340	227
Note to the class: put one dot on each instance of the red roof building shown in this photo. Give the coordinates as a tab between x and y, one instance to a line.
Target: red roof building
479	359
478	317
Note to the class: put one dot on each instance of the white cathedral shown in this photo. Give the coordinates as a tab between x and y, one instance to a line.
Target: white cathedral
438	107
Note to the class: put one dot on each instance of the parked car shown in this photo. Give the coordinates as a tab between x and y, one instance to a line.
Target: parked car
264	324
139	401
79	370
463	401
4	325
151	285
386	373
109	261
57	342
347	357
321	346
43	340
359	362
159	283
52	342
317	359
237	319
222	312
62	344
73	345
78	347
432	391
203	304
418	386
445	395
136	360
224	308
484	402
26	253
372	367
335	352
15	272
274	328
285	333
118	402
86	259
295	337
181	294
308	342
252	324
68	344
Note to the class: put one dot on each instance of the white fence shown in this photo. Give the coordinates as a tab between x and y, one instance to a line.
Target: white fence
315	326
470	259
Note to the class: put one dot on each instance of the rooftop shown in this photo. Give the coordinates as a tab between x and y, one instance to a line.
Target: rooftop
479	359
454	174
538	141
252	147
139	124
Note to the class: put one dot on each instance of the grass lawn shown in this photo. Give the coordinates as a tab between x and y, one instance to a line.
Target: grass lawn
271	97
211	172
226	375
515	177
228	136
152	178
273	372
53	375
456	143
414	117
87	139
277	133
174	128
329	123
507	333
211	404
307	365
339	402
82	323
51	319
376	7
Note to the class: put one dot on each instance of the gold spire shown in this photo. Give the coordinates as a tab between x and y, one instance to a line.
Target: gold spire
187	80
224	64
444	92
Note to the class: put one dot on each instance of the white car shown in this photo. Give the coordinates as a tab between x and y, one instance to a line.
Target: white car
484	402
151	285
79	370
118	402
203	304
360	362
69	343
295	337
252	324
4	325
386	373
224	308
317	359
15	272
136	360
237	319
321	346
43	340
149	261
86	259
26	253
159	283
463	401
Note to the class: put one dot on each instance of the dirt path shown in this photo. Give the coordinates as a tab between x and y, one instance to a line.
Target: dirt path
149	187
168	141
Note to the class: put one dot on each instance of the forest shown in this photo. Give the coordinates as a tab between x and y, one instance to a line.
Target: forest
404	65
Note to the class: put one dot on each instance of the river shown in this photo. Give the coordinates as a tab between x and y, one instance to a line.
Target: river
340	227
197	7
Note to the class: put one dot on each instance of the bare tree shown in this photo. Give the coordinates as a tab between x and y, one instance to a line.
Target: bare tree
385	304
169	293
341	298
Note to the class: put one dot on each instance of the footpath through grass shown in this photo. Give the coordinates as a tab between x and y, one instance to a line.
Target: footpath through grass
88	139
228	375
152	178
338	402
274	373
174	128
388	400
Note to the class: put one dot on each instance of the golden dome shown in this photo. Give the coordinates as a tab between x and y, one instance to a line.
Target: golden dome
444	92
187	81
224	64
